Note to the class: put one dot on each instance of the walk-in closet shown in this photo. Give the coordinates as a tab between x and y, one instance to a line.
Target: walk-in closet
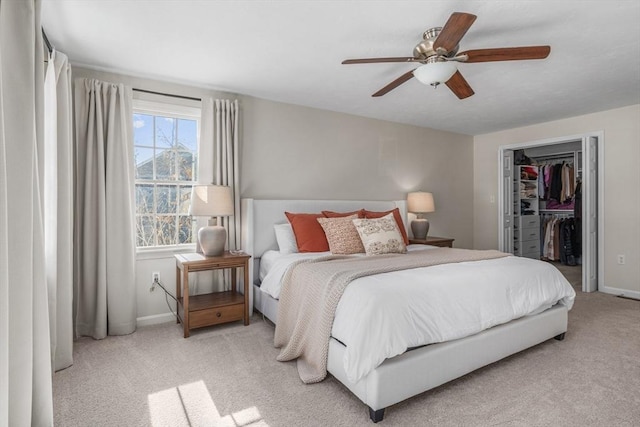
543	206
549	217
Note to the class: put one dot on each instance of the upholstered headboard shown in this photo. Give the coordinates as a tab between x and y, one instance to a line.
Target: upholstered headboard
259	217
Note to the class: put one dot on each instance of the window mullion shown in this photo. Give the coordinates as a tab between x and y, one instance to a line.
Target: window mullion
155	214
176	237
154	150
176	163
155	186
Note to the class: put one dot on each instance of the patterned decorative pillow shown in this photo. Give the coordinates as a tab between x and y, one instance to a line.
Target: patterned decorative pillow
342	235
396	215
380	235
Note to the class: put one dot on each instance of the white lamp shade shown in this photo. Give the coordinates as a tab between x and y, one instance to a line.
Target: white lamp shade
435	73
211	200
420	202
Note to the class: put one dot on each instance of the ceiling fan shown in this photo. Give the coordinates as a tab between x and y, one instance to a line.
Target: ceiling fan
438	54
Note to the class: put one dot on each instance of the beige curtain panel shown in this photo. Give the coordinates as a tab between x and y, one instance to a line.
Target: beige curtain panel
226	161
219	146
58	207
25	363
104	250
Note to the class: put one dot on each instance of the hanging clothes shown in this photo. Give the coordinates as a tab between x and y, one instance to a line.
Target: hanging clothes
548	173
541	189
556	185
555	188
561	241
577	215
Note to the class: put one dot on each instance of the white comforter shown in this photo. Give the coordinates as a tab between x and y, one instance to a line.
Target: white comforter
382	316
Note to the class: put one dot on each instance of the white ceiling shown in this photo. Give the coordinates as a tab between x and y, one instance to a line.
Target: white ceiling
291	51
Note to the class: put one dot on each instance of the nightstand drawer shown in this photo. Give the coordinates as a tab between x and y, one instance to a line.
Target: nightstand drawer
214	316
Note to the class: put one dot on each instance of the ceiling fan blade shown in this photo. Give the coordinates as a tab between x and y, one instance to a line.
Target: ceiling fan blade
453	31
507	53
394	84
374	60
459	86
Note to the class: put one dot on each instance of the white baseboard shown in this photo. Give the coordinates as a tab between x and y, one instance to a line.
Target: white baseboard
620	292
155	319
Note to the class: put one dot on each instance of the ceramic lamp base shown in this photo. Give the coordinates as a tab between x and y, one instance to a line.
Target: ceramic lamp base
212	240
420	228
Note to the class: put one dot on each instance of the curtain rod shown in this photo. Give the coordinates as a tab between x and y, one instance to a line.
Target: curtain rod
50	48
167	94
46	40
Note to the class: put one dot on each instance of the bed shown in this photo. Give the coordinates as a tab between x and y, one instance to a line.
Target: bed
414	370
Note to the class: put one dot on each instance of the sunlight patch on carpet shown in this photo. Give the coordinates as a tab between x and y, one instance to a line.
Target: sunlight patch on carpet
191	405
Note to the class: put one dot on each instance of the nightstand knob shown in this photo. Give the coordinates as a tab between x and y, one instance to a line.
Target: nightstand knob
218	314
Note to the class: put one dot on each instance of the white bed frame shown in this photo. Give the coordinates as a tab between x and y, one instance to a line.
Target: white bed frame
415	371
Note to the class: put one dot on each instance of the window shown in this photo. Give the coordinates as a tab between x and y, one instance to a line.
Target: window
165	154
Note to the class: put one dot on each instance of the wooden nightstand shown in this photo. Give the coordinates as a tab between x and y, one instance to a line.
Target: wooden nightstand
444	242
215	308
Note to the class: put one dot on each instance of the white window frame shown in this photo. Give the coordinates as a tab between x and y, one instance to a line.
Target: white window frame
156	108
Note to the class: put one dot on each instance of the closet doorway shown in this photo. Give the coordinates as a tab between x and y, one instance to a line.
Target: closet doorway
527	209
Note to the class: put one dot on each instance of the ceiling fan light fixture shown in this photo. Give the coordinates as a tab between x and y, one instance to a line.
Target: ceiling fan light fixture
434	73
438	54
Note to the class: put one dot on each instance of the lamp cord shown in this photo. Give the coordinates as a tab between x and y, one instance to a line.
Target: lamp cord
166	295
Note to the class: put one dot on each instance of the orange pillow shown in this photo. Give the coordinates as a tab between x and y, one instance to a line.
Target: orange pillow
309	234
331	214
396	216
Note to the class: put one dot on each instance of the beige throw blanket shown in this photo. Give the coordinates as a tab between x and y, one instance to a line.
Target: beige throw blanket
312	289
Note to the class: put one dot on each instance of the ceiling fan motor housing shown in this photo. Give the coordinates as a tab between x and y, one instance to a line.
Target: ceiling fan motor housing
424	50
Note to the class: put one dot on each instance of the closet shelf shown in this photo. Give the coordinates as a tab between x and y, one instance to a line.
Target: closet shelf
526	226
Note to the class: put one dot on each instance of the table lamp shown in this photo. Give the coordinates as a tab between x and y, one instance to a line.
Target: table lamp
212	201
419	203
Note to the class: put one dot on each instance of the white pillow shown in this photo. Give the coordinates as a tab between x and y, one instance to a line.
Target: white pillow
286	239
380	235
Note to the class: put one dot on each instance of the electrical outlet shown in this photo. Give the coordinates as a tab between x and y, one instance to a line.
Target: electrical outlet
621	259
155	278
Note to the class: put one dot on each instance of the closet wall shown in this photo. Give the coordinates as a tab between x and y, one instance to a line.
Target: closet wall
621	178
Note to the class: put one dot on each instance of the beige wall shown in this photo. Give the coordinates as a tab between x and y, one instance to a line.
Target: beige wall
621	185
297	152
294	152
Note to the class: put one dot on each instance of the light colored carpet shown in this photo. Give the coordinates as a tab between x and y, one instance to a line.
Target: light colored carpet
573	274
228	375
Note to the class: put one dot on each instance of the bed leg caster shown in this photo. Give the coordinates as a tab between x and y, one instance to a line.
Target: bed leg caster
559	337
376	416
